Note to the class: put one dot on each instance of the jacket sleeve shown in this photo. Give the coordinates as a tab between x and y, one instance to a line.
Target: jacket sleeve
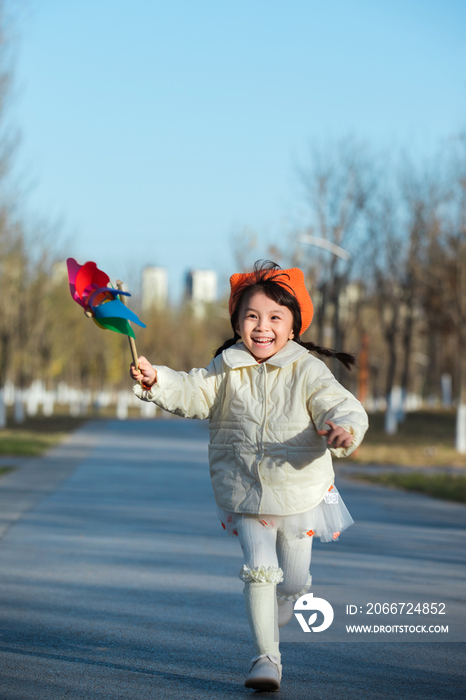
191	395
329	400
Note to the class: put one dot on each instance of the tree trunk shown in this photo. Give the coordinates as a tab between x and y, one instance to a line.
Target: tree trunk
407	341
336	364
321	313
391	423
363	377
461	412
432	378
4	356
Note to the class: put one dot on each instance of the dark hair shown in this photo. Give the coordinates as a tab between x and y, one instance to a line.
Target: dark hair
278	293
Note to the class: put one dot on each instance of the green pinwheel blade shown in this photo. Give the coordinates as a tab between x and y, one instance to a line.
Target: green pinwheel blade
119	325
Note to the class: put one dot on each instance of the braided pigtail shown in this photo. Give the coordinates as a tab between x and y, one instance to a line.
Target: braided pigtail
227	344
345	358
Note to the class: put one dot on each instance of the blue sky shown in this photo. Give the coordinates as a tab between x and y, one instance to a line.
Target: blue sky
156	130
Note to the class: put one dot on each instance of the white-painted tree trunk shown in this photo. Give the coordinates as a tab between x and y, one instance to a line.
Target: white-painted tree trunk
48	402
62	393
122	406
461	429
32	402
74	398
148	409
391	425
103	399
9	393
446	390
392	412
401	415
84	401
18	412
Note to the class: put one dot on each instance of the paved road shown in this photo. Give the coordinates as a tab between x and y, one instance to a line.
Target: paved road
117	580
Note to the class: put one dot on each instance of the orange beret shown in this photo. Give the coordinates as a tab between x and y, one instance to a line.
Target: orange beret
292	280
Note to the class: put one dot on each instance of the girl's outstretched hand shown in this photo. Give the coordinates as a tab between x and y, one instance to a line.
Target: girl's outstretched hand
338	436
145	374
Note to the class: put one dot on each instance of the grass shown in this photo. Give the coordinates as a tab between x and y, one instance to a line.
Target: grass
447	486
39	433
425	439
36	435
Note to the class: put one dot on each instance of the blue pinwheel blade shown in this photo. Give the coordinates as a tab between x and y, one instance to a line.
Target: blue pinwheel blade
116	309
102	290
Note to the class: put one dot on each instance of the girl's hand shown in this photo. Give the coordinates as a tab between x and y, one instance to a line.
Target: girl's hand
145	374
338	436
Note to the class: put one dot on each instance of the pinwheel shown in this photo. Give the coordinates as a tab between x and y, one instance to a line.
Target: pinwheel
90	288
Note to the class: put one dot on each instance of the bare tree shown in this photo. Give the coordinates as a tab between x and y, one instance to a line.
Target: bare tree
338	186
444	274
420	197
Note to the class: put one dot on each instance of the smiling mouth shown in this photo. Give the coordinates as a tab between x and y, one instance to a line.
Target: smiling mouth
262	342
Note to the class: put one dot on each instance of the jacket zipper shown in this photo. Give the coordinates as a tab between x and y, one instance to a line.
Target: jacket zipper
264	421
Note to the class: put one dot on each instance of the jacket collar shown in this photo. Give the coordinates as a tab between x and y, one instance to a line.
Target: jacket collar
239	356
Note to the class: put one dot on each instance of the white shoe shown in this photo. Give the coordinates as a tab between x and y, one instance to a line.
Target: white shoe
285	611
265	673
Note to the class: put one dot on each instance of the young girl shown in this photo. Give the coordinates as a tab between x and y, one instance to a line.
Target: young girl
276	413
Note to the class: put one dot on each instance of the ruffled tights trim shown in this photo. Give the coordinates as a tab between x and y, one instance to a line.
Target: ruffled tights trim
262	574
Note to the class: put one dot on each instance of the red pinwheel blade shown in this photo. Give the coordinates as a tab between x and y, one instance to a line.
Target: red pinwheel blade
90	274
73	269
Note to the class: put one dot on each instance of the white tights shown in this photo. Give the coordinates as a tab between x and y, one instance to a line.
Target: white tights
270	548
275	564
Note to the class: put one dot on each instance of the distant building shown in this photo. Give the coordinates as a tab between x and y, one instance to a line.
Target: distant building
154	288
201	289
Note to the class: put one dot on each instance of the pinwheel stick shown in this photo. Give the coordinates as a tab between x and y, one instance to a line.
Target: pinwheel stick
132	342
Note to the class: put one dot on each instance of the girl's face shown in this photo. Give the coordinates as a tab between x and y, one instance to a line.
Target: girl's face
265	327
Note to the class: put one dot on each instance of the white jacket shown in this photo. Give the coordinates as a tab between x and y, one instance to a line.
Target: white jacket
265	454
